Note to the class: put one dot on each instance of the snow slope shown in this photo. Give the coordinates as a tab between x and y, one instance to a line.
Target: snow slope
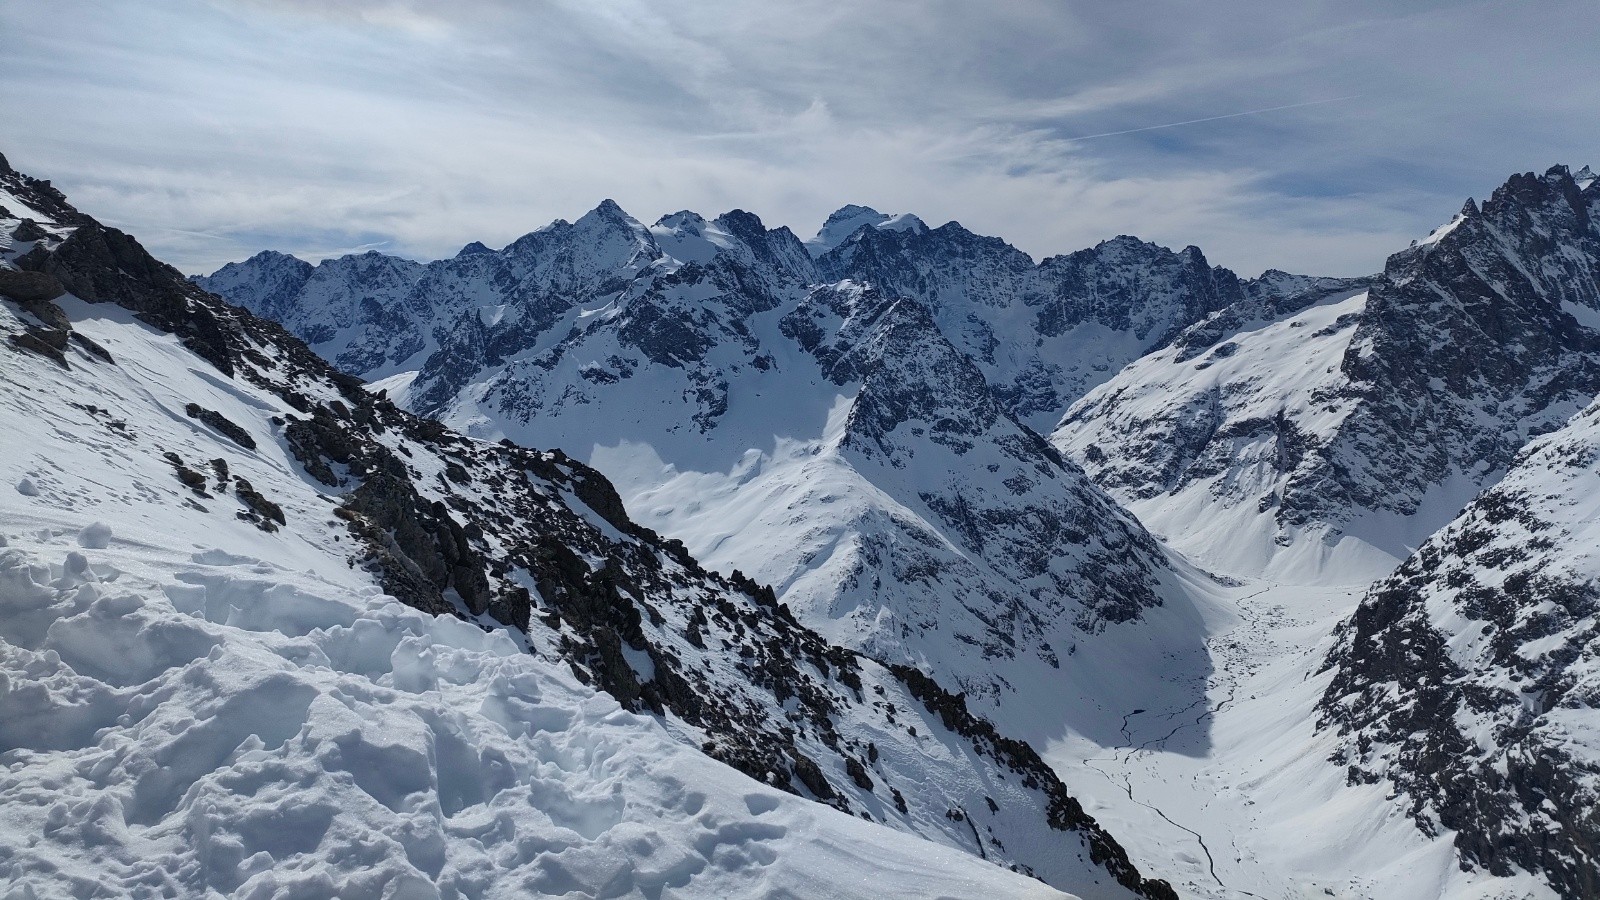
1230	790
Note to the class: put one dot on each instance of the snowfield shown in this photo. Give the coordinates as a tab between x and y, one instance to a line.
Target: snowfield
1220	782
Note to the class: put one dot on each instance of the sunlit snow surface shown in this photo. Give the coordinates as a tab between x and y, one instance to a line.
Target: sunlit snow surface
192	707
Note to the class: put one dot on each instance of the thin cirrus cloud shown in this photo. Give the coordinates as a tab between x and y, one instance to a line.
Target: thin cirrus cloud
1314	138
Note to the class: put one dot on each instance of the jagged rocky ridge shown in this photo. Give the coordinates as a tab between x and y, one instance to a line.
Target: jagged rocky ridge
1470	678
1393	405
538	541
1044	334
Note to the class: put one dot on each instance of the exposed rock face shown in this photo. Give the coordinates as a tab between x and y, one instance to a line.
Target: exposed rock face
540	542
1469	679
1068	553
29	230
29	287
1424	388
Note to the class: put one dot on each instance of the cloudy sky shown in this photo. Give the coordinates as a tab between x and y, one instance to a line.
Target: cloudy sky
1312	136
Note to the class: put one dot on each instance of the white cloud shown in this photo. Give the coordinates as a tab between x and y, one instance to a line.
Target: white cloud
214	129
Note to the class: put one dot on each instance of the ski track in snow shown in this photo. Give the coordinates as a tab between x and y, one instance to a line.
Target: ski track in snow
1154	745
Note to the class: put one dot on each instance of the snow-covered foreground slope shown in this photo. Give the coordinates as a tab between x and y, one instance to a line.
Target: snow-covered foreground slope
261	510
179	720
1469	681
1326	441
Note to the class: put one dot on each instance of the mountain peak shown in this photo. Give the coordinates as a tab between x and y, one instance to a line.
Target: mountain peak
742	221
272	256
683	219
609	213
845	221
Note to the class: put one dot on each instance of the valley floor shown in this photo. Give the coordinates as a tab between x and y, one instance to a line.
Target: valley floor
1233	796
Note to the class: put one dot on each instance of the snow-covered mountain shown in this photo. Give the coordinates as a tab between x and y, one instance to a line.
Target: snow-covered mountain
1328	435
844	222
209	686
1469	680
823	438
1044	334
361	312
855	421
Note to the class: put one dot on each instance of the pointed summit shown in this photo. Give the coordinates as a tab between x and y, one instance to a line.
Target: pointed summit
608	212
269	256
847	220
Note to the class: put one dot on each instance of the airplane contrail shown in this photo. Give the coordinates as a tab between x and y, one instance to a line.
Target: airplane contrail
1248	112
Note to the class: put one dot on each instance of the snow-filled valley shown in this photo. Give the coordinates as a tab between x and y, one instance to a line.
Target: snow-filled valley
850	623
1229	792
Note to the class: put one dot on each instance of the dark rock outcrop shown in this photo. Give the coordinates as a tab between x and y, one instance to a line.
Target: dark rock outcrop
29	287
223	426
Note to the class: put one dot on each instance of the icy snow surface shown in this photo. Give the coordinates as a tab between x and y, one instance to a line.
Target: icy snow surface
192	707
